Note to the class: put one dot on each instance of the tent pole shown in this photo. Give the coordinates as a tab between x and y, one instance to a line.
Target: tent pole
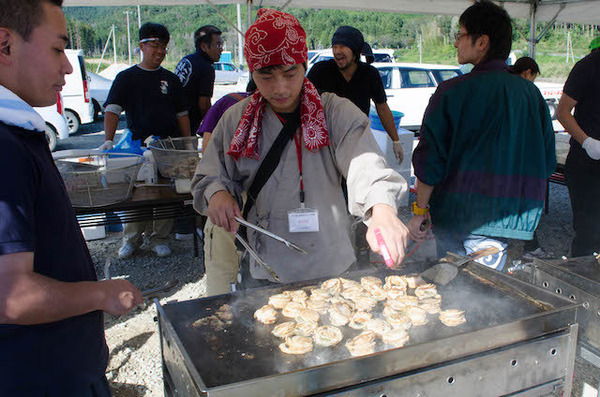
249	12
532	27
240	36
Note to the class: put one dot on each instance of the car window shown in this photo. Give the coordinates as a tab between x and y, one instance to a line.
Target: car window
386	76
383	58
412	78
443	75
228	68
216	66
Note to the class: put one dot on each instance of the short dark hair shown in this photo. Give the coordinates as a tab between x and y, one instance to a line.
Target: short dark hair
523	64
205	34
23	16
486	18
151	30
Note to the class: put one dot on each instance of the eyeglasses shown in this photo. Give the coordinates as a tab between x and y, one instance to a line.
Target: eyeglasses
155	44
459	36
220	45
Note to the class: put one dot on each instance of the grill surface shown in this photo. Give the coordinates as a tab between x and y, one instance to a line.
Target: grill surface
499	311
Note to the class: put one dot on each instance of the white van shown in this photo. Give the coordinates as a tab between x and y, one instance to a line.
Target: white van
78	107
56	124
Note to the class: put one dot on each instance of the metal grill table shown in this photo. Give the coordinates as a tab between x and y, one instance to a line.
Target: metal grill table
519	339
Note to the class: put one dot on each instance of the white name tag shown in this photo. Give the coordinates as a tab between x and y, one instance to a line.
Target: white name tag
303	220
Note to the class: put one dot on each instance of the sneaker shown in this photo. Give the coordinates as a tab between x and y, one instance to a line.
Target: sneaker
161	250
184	236
126	251
538	253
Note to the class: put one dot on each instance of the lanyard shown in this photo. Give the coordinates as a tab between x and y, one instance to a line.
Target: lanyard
299	152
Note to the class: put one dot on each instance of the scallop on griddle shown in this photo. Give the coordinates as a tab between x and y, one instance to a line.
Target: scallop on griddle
362	344
296	344
452	317
284	330
327	335
266	314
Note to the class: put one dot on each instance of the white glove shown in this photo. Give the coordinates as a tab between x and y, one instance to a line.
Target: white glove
592	147
398	152
107	145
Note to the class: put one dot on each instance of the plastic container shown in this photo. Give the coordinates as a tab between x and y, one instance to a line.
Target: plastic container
176	158
376	123
99	179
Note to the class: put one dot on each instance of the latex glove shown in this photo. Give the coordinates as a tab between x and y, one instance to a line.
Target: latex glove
107	145
398	152
592	147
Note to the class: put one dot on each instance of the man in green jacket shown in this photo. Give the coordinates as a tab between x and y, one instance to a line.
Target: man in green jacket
486	147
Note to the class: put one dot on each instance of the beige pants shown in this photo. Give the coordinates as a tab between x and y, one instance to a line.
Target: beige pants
221	259
157	232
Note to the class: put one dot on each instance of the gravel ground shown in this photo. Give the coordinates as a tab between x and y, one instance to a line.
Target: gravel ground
135	360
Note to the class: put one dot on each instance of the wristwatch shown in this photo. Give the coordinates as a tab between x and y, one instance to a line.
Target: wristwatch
419	211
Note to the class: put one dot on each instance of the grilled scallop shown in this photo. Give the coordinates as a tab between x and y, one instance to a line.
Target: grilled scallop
399	320
378	325
401	302
376	291
411	280
425	291
296	345
320	294
365	302
353	292
431	305
308	315
396	337
292	309
346	283
333	286
452	317
417	315
266	314
328	335
340	313
359	320
318	305
369	280
279	301
395	291
299	296
395	281
362	344
305	328
284	330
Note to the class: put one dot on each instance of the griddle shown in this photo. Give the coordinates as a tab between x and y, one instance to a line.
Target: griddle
244	355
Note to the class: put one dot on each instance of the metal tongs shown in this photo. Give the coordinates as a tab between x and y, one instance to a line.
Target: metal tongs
289	244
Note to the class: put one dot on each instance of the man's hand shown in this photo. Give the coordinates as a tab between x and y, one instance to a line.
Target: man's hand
414	227
107	145
394	233
398	151
592	147
222	210
120	296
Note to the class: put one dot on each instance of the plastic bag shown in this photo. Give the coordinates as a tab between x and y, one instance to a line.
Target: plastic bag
127	145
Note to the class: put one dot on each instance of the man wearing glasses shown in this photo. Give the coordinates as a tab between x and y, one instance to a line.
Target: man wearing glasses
153	100
197	74
486	147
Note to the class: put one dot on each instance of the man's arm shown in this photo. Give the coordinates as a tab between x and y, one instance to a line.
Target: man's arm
203	105
183	122
111	121
29	298
565	106
424	192
387	120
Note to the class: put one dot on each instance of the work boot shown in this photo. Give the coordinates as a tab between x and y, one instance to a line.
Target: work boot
161	250
126	251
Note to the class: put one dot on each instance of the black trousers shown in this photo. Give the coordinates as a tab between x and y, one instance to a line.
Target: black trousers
583	180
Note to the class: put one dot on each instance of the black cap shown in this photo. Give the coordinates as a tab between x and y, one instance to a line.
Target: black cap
151	30
353	39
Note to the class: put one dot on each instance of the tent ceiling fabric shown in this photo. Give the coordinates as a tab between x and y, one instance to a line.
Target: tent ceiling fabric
576	11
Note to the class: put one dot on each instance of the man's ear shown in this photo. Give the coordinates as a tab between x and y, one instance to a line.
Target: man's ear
6	40
483	42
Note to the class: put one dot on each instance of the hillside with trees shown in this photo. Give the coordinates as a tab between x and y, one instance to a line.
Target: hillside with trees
414	37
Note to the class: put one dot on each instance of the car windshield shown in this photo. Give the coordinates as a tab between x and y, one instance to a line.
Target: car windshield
383	58
443	75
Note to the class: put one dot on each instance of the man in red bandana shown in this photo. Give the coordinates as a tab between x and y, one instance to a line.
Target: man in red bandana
307	143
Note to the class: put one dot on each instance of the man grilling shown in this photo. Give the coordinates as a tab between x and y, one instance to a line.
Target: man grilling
324	139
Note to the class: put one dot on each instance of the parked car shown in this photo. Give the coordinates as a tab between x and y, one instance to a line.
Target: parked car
409	86
56	123
99	88
228	73
381	55
78	107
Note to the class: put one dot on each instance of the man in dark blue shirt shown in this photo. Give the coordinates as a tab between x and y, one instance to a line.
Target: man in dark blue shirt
197	74
51	321
153	100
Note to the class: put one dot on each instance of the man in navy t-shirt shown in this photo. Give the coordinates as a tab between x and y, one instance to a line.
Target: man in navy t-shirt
153	100
197	74
51	321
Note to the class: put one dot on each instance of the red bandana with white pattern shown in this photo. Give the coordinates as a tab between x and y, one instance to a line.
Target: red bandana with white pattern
312	124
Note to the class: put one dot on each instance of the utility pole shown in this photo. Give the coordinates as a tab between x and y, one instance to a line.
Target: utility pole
420	45
570	48
128	36
139	27
240	38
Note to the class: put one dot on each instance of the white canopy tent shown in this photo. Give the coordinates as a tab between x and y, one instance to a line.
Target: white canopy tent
573	11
